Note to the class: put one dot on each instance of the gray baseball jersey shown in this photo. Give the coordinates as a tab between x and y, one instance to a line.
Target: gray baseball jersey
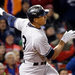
34	40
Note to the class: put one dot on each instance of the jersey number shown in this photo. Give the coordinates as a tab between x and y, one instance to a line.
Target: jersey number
24	42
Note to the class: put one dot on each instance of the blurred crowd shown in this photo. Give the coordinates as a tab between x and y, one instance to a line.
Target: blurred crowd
60	18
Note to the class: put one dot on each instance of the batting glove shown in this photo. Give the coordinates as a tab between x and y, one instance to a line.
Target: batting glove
1	11
68	35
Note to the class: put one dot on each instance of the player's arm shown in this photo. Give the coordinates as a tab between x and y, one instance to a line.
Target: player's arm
58	49
66	37
53	53
47	51
10	18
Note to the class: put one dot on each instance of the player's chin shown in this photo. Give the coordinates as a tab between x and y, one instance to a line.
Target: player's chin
43	22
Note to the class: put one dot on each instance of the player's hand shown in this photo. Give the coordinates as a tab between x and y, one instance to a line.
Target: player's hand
1	11
68	35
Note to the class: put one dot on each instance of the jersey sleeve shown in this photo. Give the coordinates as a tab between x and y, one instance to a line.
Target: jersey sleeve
43	47
20	23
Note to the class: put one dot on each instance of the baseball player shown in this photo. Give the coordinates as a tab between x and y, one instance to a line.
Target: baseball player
35	44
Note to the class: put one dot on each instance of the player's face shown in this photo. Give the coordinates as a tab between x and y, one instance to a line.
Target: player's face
41	20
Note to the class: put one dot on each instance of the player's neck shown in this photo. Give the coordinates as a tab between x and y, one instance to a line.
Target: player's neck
36	25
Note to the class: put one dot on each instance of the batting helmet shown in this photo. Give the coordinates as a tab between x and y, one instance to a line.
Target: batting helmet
36	11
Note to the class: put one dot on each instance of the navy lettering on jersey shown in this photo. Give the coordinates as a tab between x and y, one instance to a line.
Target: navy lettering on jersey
24	42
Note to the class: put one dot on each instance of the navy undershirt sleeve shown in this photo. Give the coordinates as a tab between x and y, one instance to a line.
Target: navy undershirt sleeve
11	19
50	53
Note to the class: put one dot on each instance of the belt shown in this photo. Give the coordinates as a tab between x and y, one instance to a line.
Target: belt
36	63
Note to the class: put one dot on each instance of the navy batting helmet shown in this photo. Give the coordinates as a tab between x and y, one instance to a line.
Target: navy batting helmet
36	11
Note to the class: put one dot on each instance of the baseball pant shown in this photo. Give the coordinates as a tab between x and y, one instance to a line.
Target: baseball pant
29	69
